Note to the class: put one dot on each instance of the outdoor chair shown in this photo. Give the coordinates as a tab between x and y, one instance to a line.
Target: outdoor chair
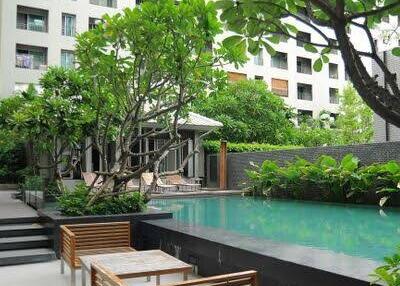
90	177
100	276
147	179
89	239
181	183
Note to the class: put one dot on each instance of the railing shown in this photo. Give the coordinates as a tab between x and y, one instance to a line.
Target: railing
32	27
302	69
280	91
105	3
26	61
304	96
280	64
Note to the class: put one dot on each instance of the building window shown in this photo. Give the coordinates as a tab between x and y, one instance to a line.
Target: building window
280	87
30	57
236	76
258	77
32	19
385	19
94	22
304	91
105	3
333	95
334	43
67	59
303	38
303	116
279	60
304	65
333	71
68	25
258	59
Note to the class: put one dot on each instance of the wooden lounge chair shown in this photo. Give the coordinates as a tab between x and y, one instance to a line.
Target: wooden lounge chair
181	182
100	276
147	179
89	178
89	239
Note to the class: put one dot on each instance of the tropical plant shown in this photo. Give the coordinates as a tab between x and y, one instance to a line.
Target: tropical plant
213	146
249	113
389	273
259	24
326	180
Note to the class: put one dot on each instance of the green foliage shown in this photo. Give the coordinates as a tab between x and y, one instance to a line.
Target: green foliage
74	203
212	146
249	112
327	180
355	120
33	183
389	273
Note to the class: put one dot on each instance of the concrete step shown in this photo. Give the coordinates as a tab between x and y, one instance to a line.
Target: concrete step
24	242
24	256
23	229
19	220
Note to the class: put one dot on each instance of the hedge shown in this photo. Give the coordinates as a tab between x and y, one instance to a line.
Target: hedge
213	147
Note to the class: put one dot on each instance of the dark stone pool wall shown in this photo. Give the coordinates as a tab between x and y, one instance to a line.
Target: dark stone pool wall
216	251
367	153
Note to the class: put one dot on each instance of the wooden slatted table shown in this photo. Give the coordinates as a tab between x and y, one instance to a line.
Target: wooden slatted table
136	264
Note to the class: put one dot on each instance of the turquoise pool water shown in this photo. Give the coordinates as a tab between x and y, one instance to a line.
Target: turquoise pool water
362	231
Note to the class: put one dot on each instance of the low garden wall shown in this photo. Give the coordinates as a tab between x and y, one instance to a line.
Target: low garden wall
367	153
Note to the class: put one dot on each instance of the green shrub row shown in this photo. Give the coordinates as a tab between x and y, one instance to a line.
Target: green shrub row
74	203
213	147
326	180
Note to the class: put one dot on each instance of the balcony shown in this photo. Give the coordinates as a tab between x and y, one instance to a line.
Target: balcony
304	91
280	87
31	57
333	96
32	19
105	3
279	60
333	71
304	65
303	38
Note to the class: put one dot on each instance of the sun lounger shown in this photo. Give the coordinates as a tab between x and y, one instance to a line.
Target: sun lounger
147	179
181	183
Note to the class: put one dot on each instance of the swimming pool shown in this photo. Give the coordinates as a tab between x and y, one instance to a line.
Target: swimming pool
363	231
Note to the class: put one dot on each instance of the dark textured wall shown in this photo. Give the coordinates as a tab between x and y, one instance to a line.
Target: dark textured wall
367	153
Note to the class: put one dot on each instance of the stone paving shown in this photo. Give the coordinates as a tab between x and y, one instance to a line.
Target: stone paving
12	208
48	274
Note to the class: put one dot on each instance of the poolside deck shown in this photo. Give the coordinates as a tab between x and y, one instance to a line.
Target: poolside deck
200	193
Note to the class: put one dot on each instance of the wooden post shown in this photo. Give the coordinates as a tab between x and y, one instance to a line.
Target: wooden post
223	165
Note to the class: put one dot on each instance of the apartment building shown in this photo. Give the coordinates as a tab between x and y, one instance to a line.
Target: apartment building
35	34
289	73
385	41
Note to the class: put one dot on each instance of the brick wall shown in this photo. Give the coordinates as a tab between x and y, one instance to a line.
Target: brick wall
367	153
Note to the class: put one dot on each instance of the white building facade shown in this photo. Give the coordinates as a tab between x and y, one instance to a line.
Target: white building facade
35	34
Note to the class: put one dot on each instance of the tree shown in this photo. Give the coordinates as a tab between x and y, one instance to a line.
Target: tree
54	121
249	112
355	120
262	23
145	67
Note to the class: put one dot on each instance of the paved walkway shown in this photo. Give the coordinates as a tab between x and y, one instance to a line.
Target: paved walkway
12	208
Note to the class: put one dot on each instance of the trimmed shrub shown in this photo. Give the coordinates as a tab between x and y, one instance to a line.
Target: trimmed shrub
74	203
212	146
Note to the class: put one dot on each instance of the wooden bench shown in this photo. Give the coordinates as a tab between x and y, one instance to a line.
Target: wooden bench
102	277
89	239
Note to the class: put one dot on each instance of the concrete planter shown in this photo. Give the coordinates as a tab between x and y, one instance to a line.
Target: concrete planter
53	220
